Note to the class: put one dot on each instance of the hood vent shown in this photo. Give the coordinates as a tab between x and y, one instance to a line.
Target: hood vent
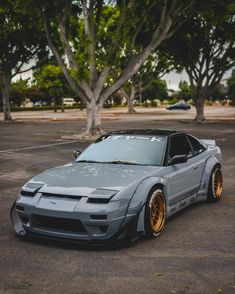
61	196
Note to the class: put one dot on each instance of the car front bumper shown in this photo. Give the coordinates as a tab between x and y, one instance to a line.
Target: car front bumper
68	219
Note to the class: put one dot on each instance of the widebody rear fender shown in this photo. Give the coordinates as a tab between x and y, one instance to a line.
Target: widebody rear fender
205	180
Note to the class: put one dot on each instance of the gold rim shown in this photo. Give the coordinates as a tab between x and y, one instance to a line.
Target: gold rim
157	211
217	183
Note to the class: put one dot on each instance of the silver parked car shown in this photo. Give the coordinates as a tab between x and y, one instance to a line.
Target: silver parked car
125	184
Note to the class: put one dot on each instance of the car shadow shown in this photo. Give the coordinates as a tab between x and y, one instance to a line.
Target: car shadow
76	245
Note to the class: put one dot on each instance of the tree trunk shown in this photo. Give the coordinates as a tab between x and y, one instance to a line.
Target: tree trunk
54	104
130	100
94	112
199	104
130	106
62	105
6	81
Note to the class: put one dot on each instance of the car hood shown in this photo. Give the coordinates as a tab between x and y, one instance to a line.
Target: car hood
90	176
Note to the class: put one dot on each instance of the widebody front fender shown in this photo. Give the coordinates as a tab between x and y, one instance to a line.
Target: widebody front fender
141	193
140	196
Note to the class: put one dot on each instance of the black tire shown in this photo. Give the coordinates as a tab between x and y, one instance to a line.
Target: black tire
155	213
215	188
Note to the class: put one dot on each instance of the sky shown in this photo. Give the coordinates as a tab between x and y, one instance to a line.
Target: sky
172	79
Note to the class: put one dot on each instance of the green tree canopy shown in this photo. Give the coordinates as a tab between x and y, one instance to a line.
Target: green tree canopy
18	89
21	39
184	91
157	90
231	88
205	47
90	38
148	79
52	83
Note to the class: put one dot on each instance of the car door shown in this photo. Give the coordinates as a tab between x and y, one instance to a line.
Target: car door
199	159
182	182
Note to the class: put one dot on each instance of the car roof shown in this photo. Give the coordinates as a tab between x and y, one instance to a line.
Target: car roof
151	132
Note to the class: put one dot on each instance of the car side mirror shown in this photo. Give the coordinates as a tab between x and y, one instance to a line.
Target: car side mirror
179	159
76	153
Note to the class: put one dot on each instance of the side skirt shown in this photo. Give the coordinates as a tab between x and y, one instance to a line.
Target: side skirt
182	204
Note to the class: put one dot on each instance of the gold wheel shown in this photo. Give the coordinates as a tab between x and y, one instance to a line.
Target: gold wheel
217	183
157	211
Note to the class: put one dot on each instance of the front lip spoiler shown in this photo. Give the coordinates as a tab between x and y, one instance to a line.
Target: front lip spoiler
126	233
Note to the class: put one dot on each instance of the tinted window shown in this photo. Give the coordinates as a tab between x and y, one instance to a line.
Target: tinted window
198	147
133	149
180	146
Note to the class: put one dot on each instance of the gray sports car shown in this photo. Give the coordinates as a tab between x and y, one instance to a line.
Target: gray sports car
125	184
179	105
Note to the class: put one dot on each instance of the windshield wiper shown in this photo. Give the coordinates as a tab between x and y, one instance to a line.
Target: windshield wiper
89	161
120	162
111	162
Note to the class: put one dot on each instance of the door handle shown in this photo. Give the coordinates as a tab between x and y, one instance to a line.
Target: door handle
195	166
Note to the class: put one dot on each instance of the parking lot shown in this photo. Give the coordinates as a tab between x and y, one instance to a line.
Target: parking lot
195	254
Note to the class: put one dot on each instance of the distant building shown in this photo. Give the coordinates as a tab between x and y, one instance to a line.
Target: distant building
68	101
27	103
171	92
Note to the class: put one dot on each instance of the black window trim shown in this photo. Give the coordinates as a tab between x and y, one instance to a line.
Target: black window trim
167	163
204	145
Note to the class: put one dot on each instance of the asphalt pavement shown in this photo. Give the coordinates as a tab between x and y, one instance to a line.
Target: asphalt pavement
195	253
147	113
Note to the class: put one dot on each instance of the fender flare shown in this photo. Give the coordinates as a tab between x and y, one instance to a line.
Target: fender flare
140	196
205	179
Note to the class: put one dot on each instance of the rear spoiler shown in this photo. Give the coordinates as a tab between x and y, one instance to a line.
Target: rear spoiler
210	143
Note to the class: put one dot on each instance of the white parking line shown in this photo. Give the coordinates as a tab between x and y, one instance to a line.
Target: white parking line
38	146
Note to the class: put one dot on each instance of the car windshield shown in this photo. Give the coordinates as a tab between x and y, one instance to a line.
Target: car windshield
126	149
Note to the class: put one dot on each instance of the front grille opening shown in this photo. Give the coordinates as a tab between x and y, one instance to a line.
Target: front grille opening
19	207
98	216
57	223
98	200
27	193
103	229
